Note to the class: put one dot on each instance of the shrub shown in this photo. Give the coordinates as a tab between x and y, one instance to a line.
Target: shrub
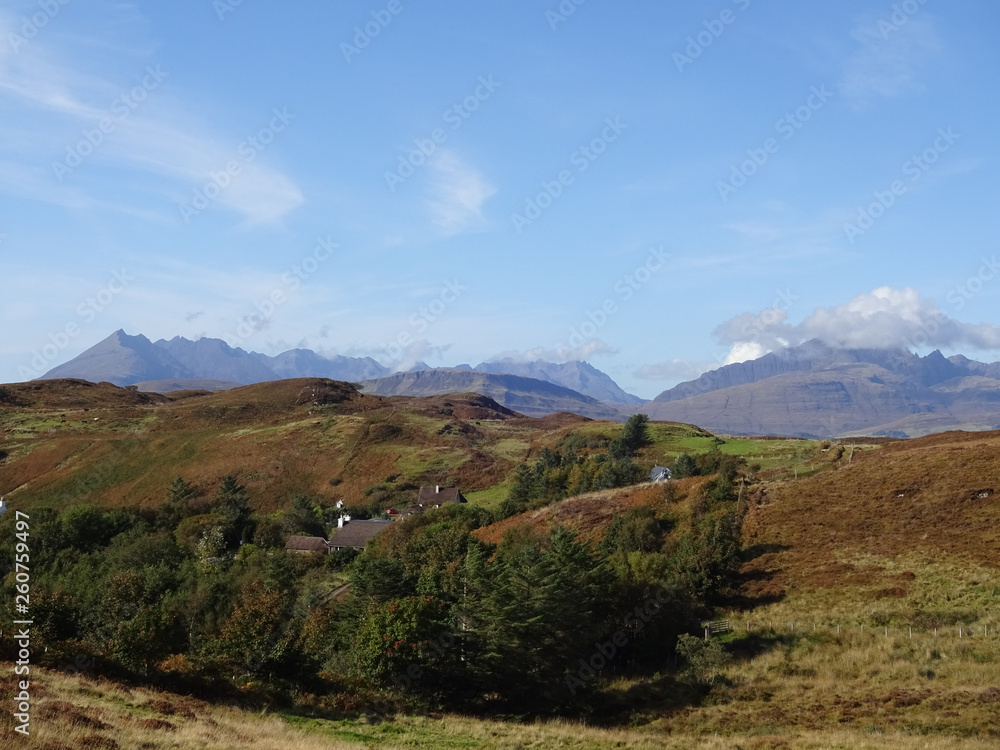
704	659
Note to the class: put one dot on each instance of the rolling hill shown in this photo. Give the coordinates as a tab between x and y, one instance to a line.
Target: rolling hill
69	441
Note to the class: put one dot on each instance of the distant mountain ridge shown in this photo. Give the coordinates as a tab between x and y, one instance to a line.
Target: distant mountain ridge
122	359
529	396
814	390
579	376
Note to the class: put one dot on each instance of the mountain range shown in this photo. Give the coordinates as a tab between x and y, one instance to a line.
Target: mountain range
815	390
810	390
531	396
212	364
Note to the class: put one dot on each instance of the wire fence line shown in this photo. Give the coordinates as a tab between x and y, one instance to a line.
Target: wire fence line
796	627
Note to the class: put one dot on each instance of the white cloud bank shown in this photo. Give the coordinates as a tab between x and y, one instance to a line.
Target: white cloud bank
885	318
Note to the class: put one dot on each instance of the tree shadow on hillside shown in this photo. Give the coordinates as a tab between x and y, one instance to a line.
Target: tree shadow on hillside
756	585
660	696
645	701
758	550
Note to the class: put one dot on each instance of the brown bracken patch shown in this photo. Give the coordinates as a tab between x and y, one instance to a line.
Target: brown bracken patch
157	725
67	712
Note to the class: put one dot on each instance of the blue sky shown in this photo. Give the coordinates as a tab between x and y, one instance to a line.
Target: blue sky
656	187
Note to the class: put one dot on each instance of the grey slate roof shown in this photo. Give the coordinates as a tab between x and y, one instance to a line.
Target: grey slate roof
429	498
307	544
357	533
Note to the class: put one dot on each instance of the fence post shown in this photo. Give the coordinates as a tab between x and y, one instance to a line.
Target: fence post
706	634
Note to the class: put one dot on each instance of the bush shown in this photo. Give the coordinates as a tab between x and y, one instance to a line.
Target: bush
704	659
685	466
383	433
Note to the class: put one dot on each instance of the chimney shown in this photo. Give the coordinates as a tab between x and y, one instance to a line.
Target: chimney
437	488
340	522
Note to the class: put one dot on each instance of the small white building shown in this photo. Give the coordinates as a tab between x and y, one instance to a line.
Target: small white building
660	474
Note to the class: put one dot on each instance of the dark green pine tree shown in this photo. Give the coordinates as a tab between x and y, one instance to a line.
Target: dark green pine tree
685	466
233	503
521	492
635	435
177	506
531	615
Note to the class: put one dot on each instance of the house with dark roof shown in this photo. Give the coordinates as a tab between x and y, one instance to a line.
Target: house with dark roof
436	496
660	474
355	534
307	544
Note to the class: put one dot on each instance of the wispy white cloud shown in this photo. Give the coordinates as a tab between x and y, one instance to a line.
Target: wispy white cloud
54	92
558	353
675	370
885	318
888	60
457	194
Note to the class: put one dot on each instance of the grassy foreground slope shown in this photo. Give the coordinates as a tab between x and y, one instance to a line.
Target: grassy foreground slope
77	713
881	582
879	543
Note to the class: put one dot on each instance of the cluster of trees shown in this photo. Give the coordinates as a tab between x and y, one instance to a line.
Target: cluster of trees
537	622
123	591
201	591
556	475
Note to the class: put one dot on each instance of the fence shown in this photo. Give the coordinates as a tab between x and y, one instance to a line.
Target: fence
961	630
717	626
